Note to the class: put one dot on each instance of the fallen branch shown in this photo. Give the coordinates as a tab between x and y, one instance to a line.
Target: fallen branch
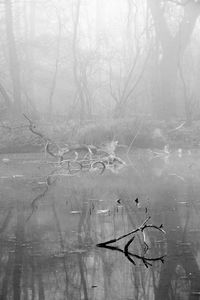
146	260
46	140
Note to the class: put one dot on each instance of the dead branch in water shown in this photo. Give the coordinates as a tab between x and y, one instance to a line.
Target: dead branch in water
47	141
147	261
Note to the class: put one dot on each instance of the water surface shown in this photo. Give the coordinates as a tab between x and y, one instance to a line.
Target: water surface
48	233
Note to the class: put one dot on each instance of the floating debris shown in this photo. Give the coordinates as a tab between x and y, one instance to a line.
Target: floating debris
103	211
77	251
137	203
5	160
17	176
75	212
178	176
59	255
180	152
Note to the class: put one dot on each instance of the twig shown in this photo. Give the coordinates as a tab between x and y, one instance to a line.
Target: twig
177	128
133	140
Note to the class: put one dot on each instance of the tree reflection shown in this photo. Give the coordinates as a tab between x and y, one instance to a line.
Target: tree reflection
53	255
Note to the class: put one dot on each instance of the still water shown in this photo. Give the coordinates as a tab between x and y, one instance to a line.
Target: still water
49	232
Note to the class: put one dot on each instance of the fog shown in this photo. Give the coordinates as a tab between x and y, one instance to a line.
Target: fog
84	59
99	149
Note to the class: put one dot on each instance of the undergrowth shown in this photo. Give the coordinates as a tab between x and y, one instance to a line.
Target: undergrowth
146	133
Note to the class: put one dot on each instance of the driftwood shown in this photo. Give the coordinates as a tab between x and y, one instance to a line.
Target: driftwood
147	261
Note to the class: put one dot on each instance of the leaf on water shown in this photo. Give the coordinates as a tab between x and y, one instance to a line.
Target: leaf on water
6	160
103	211
17	176
160	241
59	255
75	212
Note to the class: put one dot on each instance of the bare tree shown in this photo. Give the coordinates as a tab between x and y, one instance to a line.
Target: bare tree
13	57
127	69
80	71
57	53
173	44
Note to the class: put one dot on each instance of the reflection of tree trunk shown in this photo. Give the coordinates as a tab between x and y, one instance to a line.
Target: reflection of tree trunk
6	221
62	247
107	275
17	271
83	217
25	287
186	259
41	295
13	58
8	268
4	289
33	279
176	254
82	274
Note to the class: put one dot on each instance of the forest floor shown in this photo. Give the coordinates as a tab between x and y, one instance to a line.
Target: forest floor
17	138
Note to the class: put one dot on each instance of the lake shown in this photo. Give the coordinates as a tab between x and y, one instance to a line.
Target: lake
50	227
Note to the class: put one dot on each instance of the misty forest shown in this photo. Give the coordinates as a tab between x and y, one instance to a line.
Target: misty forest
99	149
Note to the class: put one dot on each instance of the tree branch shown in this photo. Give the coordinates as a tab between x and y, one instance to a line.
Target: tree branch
146	260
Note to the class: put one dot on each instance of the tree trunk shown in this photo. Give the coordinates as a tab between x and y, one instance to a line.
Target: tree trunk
173	47
28	84
5	96
13	58
165	94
